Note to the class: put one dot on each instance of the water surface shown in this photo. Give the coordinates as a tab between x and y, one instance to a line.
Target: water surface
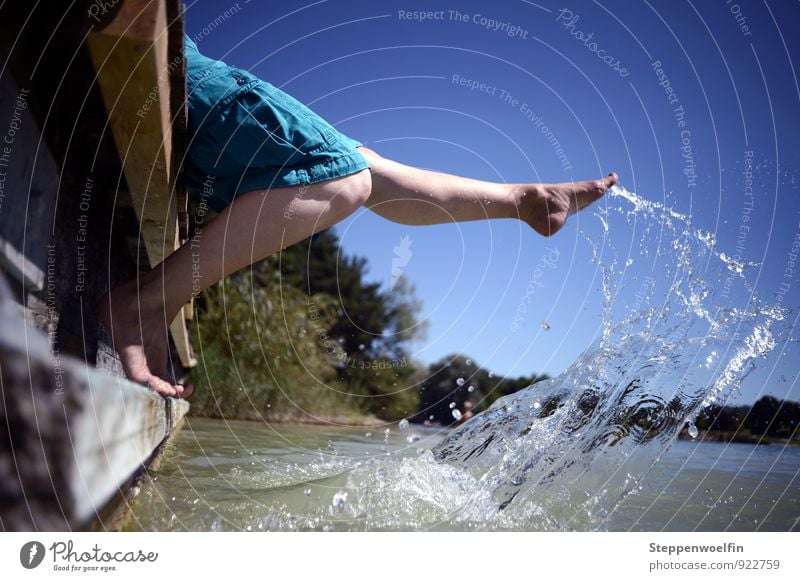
249	476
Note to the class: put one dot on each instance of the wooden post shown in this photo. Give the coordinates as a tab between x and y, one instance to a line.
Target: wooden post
130	54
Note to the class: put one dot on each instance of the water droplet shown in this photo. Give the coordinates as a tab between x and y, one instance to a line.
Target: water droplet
629	262
361	346
693	430
403	424
460	381
430	417
412	438
457	415
368	435
545	326
452	404
471	388
469	361
339	500
536	405
307	492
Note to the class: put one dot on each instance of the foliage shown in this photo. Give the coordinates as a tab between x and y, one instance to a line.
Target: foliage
768	416
457	379
370	323
258	355
303	334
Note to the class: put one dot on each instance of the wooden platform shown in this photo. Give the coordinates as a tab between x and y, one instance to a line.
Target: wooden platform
93	195
76	435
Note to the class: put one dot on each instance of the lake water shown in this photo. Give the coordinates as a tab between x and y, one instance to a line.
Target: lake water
250	476
593	448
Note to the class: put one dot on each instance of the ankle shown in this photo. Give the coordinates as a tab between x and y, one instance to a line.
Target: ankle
143	294
532	197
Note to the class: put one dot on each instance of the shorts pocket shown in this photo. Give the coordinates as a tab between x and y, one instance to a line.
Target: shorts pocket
257	134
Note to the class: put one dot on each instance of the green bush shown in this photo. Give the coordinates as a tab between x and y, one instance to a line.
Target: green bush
261	355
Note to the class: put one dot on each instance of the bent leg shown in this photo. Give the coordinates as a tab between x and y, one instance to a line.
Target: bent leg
254	226
414	196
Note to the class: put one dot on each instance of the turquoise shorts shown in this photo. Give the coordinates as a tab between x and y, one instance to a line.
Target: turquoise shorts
245	134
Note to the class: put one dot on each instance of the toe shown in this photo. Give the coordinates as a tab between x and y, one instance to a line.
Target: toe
163	387
611	179
178	390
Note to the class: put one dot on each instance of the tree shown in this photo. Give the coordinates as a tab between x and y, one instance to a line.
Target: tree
456	379
762	414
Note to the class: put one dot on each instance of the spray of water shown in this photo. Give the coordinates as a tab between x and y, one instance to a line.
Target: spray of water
563	453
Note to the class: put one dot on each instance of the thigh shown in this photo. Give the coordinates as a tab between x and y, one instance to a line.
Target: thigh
262	138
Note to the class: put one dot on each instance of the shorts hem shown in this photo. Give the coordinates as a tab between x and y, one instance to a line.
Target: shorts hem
270	178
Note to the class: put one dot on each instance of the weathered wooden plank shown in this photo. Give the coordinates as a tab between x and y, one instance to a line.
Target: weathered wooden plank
118	427
179	111
117	511
183	343
131	59
70	435
134	70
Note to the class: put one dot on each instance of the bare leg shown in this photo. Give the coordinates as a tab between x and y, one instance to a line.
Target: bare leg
256	225
418	197
260	223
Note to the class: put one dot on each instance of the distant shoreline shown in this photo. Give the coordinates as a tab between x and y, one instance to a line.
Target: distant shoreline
300	418
736	437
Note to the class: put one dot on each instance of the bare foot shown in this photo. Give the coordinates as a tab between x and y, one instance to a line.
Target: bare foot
546	207
138	328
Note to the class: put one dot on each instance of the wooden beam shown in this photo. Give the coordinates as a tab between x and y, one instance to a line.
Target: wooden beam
72	436
20	267
183	342
132	58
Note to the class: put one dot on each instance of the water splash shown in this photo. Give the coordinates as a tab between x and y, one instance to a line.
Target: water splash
563	453
602	424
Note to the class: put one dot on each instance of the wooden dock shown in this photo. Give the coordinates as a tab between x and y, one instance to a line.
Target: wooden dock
75	438
91	194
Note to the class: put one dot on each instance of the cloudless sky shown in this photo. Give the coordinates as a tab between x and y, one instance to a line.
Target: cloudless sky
392	82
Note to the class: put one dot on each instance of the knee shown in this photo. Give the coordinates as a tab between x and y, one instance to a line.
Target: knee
361	187
354	192
372	158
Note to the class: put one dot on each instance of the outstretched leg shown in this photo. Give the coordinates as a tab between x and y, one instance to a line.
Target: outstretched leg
414	196
260	223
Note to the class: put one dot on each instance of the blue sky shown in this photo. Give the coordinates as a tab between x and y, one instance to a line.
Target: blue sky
393	82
